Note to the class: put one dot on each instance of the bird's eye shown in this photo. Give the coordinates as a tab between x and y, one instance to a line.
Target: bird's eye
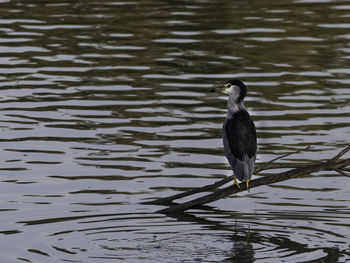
228	85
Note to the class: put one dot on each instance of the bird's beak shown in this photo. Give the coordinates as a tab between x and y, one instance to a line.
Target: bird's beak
217	89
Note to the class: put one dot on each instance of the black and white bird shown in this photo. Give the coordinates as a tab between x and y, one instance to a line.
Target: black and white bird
238	132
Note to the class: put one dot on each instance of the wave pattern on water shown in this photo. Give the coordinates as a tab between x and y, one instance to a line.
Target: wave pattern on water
105	105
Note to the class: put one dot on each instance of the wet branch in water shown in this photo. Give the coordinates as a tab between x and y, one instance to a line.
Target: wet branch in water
335	164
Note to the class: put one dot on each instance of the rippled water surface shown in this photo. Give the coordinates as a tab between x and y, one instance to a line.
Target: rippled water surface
105	105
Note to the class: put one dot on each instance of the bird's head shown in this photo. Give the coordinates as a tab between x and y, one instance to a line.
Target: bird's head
235	88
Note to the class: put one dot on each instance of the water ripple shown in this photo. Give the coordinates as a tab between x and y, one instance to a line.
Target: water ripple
105	105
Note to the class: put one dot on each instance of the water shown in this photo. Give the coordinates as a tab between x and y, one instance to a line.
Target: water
105	105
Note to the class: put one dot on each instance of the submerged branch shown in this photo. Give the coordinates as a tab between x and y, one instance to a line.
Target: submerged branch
258	168
342	172
332	164
208	187
341	153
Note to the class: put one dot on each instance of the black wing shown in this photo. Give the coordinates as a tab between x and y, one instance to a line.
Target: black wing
241	135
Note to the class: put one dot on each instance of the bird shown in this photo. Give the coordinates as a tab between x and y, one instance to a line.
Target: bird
238	132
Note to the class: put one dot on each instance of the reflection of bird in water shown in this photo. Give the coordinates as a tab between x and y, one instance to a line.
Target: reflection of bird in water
242	252
239	133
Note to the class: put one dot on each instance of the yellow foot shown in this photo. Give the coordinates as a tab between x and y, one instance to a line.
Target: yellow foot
236	183
247	183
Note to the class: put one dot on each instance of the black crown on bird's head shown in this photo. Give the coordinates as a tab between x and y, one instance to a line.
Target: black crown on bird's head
233	83
242	88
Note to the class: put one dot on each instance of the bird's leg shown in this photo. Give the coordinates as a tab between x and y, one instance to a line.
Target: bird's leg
235	182
247	183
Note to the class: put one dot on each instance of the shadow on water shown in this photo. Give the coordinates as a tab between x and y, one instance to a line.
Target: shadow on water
246	240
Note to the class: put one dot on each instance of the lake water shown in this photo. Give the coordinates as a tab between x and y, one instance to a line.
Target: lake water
105	105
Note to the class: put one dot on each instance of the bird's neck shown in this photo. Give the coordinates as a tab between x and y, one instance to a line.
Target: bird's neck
233	106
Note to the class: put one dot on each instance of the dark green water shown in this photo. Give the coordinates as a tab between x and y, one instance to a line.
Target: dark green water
105	105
